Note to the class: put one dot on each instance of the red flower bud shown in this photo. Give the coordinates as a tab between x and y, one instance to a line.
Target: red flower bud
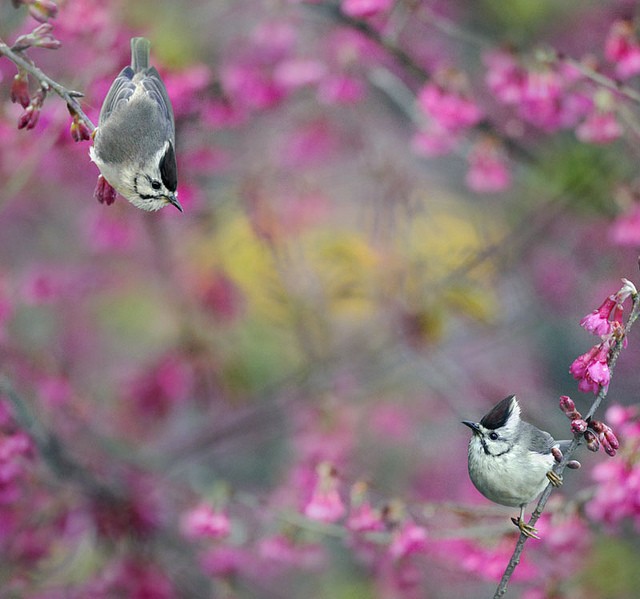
611	438
29	118
79	130
573	464
19	92
104	193
566	404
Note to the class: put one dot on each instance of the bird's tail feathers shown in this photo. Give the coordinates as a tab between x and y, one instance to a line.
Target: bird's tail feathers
140	47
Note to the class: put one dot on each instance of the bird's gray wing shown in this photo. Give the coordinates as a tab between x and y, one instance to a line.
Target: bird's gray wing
119	93
538	441
563	445
156	90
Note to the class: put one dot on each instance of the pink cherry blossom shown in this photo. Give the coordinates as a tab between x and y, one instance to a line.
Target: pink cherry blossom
451	110
488	171
362	9
505	77
599	128
434	140
623	48
340	89
204	522
591	369
325	503
364	518
598	322
625	229
409	539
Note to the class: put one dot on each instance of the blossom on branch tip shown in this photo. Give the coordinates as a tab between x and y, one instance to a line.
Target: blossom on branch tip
40	37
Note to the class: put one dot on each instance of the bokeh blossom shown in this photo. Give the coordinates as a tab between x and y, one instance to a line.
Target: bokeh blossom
260	397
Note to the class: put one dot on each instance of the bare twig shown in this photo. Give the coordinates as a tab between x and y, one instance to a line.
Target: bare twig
69	96
602	80
613	358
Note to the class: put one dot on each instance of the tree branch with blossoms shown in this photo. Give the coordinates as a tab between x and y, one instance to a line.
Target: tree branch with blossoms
593	370
41	37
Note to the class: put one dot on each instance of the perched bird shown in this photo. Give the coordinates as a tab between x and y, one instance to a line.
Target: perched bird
510	460
134	144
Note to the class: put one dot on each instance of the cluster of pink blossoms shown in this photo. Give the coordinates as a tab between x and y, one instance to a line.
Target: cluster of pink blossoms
592	369
622	48
617	495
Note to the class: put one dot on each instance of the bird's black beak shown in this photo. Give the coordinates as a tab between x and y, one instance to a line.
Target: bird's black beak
173	200
472	425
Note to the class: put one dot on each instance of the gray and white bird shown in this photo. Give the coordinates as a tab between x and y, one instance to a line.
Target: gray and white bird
510	460
134	144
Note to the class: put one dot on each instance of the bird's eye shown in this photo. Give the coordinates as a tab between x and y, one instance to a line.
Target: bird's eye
156	185
493	436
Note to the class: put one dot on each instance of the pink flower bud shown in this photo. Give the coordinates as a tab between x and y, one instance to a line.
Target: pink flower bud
29	118
20	90
567	404
104	193
43	38
597	426
608	439
557	454
578	426
611	438
79	130
43	10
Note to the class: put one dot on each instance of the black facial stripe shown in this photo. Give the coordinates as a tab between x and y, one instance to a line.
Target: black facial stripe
487	452
145	196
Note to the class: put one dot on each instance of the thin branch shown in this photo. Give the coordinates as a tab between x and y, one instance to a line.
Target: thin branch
50	447
567	455
602	80
69	96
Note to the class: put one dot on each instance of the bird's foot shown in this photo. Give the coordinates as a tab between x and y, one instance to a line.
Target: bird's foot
554	478
528	531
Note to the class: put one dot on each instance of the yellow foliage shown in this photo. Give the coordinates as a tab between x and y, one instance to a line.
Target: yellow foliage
333	272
